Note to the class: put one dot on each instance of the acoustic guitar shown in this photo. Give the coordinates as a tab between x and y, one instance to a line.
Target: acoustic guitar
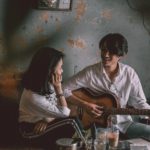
110	105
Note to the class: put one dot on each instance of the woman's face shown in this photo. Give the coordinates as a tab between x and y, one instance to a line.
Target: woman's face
58	69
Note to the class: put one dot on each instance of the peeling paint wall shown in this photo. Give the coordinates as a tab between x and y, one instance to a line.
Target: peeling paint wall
76	33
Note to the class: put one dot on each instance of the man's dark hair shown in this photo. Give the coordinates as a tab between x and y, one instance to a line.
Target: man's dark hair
42	66
115	43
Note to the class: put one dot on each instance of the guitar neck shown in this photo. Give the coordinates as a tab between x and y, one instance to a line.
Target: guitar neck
128	111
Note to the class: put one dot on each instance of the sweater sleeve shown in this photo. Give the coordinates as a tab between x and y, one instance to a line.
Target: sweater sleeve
38	105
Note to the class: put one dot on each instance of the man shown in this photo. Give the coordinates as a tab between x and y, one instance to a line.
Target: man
112	76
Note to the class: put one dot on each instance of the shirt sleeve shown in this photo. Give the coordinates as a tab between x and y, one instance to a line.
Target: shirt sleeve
38	105
77	81
137	96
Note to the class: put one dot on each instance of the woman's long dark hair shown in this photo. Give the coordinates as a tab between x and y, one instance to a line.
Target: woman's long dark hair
42	65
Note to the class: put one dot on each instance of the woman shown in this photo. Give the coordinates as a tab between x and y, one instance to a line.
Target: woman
43	111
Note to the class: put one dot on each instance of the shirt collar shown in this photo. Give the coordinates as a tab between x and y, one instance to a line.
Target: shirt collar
102	70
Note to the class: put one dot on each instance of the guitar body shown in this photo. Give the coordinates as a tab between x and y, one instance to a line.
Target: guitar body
106	100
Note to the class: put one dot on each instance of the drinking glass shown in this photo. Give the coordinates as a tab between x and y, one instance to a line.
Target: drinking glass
96	144
101	139
113	138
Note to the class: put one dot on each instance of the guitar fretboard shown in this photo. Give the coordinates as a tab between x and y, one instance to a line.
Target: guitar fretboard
127	111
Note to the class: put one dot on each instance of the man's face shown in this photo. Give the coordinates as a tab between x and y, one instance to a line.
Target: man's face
109	59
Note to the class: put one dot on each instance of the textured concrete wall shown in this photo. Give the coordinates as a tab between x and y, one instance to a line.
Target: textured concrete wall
77	33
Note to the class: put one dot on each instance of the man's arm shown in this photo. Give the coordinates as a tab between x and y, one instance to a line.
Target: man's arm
137	96
81	80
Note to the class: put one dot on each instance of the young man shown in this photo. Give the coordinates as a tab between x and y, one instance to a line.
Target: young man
112	76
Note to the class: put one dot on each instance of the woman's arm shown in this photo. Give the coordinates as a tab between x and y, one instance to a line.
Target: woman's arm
38	105
56	81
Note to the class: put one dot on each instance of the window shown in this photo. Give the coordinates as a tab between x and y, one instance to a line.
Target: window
54	4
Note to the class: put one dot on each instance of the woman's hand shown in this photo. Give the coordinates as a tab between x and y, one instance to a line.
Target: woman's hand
94	110
56	80
40	127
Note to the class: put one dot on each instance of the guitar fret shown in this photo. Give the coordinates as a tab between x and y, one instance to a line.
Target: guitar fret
126	111
129	111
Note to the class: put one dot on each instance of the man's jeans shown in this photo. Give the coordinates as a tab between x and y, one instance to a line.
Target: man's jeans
137	130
